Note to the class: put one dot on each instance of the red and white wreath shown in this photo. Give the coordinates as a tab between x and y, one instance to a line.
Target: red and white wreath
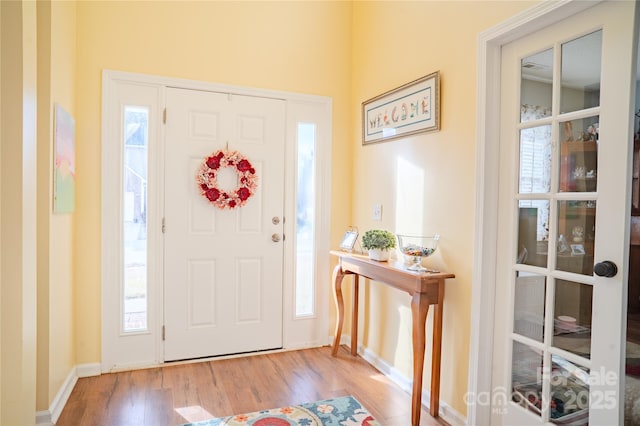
206	178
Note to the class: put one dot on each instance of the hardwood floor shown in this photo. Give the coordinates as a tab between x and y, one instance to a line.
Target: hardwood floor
176	394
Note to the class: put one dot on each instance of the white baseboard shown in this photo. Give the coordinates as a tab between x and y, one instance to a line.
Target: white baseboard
63	395
50	417
447	413
43	418
130	366
88	370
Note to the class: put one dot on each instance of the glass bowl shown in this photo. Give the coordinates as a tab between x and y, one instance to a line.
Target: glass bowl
417	247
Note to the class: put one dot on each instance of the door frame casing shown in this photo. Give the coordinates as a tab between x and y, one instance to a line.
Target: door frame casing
297	332
484	274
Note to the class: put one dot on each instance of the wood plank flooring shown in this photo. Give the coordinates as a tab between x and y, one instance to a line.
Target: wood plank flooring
176	394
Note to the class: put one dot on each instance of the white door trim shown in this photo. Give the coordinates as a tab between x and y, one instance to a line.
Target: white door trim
490	43
297	332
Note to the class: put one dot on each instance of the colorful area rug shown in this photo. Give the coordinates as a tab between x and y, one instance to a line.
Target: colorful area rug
345	411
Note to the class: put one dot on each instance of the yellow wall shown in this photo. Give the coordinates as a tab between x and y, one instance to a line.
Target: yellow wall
2	58
18	214
292	46
350	52
395	43
56	80
44	194
63	76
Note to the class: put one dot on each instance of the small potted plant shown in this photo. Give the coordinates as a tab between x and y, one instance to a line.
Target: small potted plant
378	242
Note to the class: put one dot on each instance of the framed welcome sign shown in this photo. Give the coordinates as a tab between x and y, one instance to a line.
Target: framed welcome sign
407	110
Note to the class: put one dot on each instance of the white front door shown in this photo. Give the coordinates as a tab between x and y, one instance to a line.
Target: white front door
223	270
565	139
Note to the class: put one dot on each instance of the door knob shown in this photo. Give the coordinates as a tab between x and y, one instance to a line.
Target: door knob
605	269
275	238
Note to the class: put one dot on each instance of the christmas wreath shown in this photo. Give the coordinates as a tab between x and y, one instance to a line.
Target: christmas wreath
206	178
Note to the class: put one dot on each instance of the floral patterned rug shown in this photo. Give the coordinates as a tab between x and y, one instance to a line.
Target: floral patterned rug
342	411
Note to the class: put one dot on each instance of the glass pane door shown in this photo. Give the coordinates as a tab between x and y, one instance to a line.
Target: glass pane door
556	207
566	102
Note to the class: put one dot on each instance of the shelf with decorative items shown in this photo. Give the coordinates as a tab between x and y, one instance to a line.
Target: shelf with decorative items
576	230
578	166
576	217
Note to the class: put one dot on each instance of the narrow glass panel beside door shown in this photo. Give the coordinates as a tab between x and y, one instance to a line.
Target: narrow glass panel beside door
572	317
134	216
305	220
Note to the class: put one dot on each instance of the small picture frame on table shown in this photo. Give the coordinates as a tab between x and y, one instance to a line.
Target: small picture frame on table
577	250
349	239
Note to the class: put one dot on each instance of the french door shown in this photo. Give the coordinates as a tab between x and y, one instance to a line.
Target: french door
563	213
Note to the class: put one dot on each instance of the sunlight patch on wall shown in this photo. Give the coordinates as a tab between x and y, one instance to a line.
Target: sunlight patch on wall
409	198
404	349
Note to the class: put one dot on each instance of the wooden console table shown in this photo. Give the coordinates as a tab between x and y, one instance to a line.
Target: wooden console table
425	288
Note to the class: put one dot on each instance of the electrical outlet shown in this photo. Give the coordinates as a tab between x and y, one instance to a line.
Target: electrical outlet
377	212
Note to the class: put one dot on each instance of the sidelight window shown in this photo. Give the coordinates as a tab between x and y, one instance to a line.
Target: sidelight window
305	219
134	218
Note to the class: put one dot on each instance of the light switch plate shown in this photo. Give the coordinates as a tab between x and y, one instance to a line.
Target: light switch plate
377	212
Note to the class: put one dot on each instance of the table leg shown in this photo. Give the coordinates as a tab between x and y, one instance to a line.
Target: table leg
434	403
354	317
338	274
419	311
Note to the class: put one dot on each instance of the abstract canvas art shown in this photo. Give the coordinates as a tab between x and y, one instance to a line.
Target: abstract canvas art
64	168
